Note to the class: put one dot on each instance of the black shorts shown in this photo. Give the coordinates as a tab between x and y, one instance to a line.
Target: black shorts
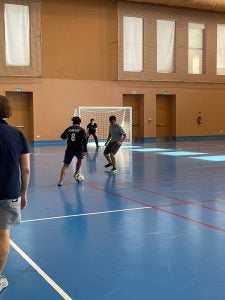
112	147
69	155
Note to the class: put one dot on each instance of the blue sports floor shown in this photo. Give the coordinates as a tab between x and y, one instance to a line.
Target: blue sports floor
153	231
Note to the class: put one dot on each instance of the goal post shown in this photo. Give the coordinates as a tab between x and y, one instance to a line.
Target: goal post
101	116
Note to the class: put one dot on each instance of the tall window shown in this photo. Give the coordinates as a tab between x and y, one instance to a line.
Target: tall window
132	44
17	35
220	49
165	46
195	48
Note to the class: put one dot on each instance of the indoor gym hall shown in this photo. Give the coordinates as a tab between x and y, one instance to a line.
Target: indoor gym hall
155	230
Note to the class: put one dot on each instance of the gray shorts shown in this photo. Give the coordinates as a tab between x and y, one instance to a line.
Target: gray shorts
112	147
10	213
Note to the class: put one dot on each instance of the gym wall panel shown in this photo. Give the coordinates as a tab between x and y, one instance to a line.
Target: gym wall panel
79	39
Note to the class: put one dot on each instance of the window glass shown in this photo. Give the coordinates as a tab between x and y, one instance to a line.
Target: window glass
195	48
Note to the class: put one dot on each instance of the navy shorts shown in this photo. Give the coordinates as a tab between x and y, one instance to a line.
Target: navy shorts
69	155
10	212
112	147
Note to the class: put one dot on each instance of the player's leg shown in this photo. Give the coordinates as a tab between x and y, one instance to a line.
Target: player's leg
9	215
107	155
63	174
96	139
4	247
88	135
78	166
115	147
4	252
79	155
67	160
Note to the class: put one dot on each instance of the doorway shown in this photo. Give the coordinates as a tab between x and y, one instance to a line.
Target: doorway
22	112
165	116
136	101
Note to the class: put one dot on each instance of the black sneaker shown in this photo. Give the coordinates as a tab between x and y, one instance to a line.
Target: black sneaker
108	165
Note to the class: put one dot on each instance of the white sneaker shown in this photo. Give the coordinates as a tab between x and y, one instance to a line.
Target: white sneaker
3	283
60	183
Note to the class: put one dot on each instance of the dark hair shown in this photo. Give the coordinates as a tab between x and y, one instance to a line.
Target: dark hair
5	109
76	120
111	118
91	120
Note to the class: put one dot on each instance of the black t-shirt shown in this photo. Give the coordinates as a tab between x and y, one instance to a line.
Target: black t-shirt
76	138
92	127
12	145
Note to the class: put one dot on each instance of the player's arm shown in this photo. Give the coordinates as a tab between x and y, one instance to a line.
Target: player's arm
25	177
84	142
87	131
64	135
122	138
108	138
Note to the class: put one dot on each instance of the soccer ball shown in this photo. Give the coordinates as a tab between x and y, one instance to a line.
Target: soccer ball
79	177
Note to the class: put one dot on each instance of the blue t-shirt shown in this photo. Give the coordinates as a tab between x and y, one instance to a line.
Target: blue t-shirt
12	145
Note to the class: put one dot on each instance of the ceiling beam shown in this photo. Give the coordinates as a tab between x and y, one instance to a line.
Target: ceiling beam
211	5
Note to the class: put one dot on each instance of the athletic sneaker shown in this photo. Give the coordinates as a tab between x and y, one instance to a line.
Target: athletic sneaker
60	183
113	170
108	165
3	283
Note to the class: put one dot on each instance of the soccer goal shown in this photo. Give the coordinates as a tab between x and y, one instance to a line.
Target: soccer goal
101	116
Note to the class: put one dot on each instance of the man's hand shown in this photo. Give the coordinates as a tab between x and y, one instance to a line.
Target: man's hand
83	154
23	202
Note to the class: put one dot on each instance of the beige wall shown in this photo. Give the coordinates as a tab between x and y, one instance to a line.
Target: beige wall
54	102
79	51
79	39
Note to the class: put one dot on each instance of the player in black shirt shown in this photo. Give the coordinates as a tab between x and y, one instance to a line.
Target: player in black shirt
76	146
91	130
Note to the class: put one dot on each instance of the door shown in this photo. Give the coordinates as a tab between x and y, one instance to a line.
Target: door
22	112
136	102
165	116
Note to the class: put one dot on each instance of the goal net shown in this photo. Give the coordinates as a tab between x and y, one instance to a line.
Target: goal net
101	116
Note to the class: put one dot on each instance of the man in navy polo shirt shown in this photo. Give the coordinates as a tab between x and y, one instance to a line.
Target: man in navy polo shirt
14	179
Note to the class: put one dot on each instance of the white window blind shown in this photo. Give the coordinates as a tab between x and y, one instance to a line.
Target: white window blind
17	35
132	44
220	49
195	48
165	46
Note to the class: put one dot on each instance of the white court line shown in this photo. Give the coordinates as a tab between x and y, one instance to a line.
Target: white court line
55	286
88	214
